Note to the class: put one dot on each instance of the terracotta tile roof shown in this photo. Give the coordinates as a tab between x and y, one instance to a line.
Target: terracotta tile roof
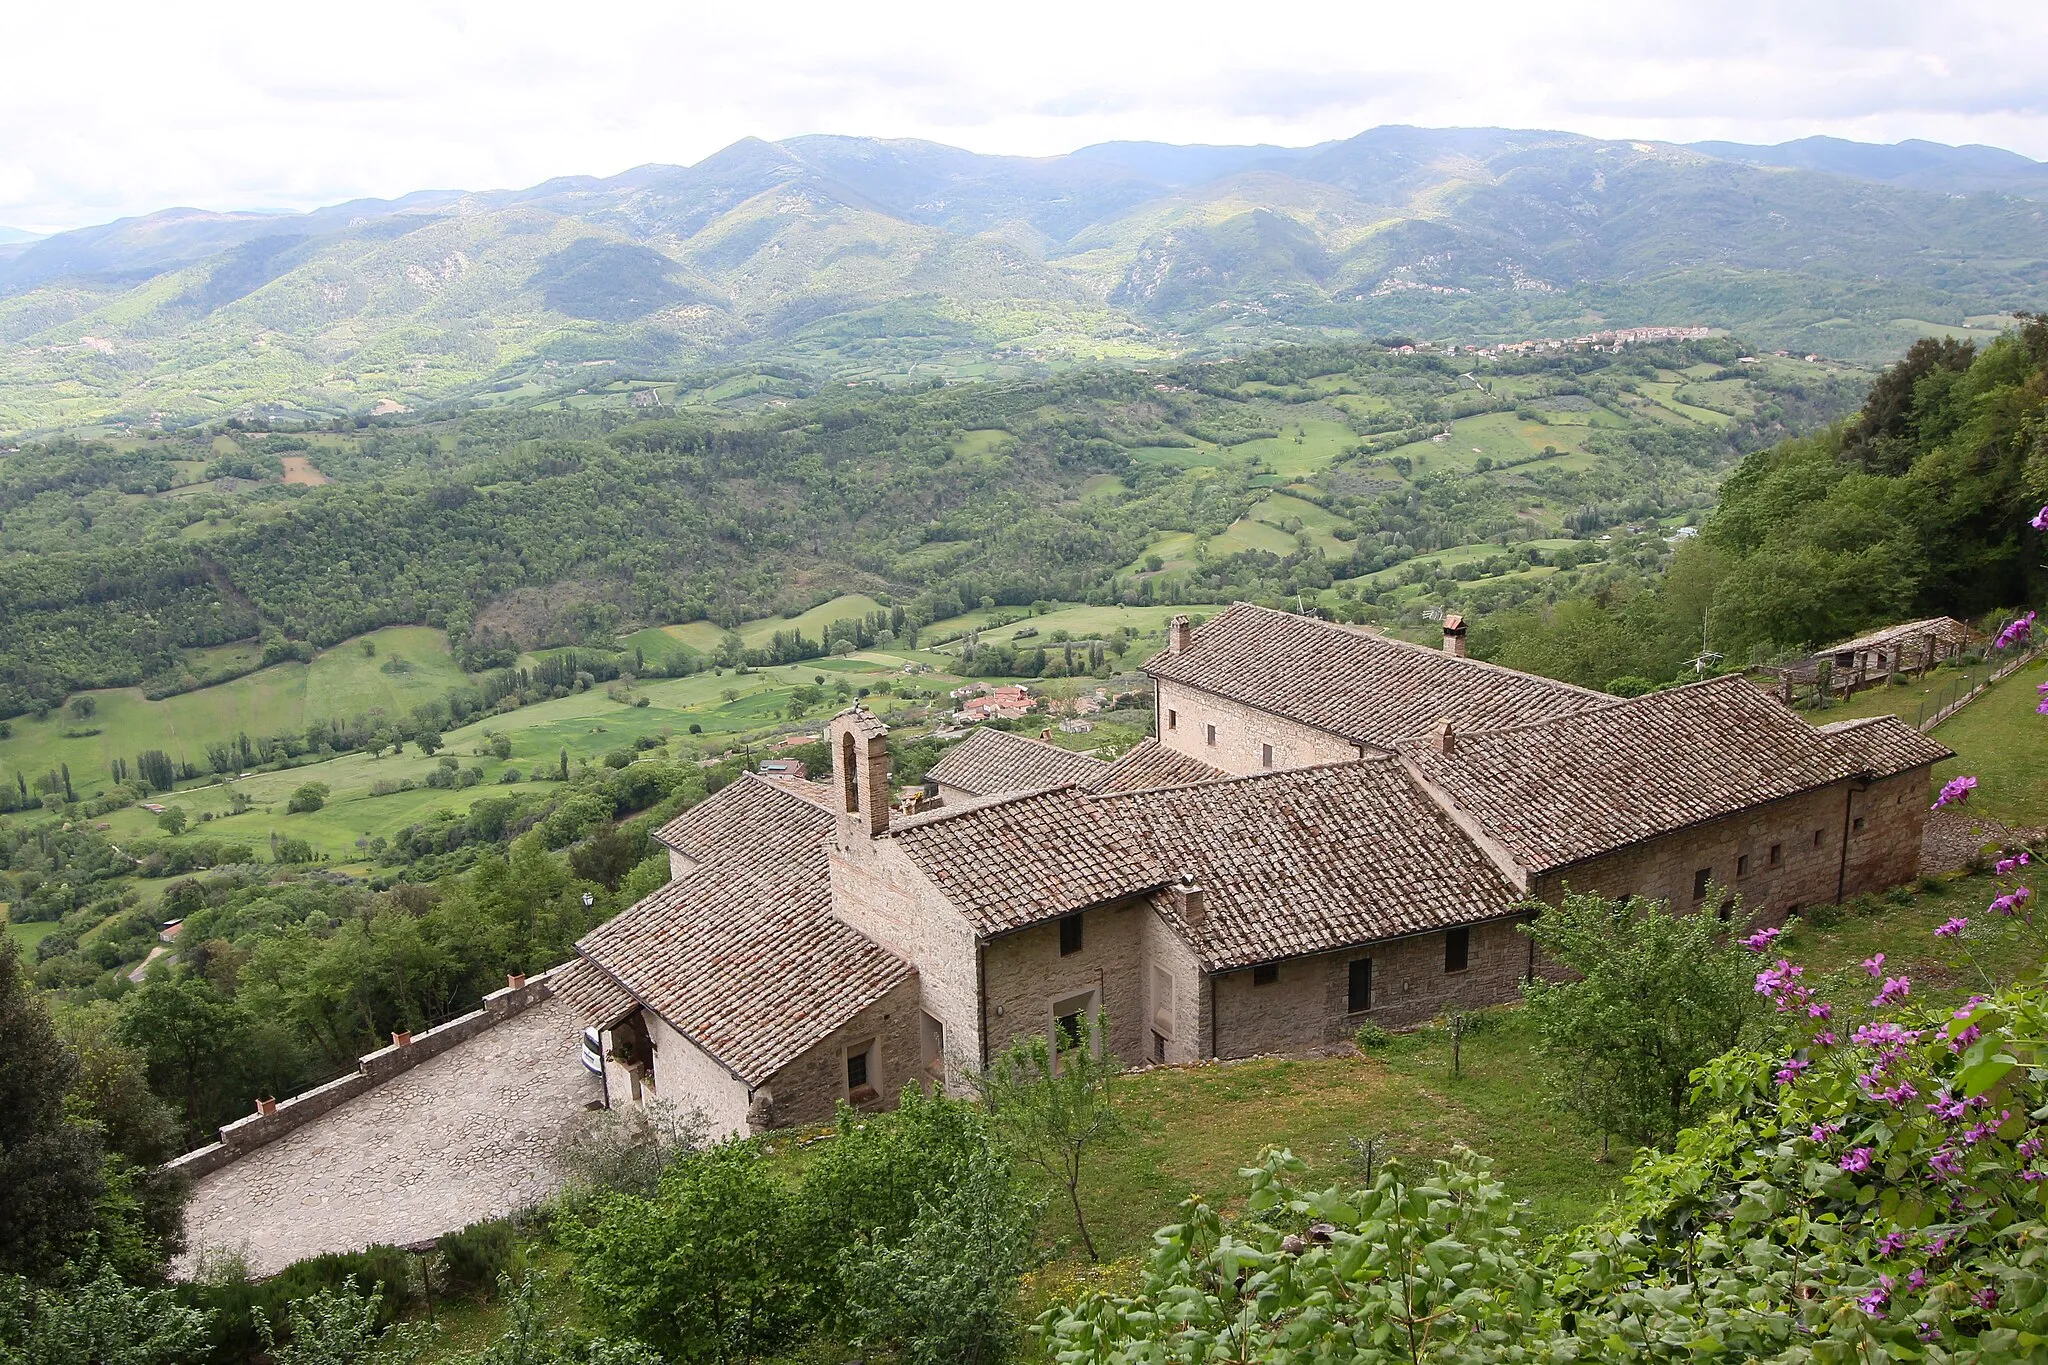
591	993
1887	746
1944	628
997	761
750	817
1150	764
1016	861
1313	859
1560	791
741	955
1364	687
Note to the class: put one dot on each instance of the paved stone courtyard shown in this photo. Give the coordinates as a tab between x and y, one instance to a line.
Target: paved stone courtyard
466	1135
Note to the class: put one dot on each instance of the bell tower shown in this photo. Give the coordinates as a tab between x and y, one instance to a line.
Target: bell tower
860	763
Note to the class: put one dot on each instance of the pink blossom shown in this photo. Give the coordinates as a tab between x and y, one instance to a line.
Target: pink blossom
1952	926
1897	1096
1823	1131
2030	1147
1892	1243
1965	1038
1761	939
1916	1279
2012	900
2005	866
2014	632
1947	1106
1874	965
1857	1160
1946	1163
1985	1298
2040	521
1825	1038
1820	1009
1954	792
1896	988
1789	1072
1873	1303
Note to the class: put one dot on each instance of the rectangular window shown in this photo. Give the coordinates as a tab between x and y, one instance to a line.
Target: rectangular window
1361	985
1457	949
1162	1000
1777	855
1067	1031
1211	733
1266	974
1265	755
1172	719
934	1048
1742	865
1070	935
856	1069
1158	1047
1073	1022
1817	837
1700	881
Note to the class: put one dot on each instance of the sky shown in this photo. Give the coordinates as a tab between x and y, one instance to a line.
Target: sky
119	108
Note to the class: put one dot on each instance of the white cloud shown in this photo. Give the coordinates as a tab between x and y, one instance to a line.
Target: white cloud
125	107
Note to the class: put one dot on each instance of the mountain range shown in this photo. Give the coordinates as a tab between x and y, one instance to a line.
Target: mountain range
859	258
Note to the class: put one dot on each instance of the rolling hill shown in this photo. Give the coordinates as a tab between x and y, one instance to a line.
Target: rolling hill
860	259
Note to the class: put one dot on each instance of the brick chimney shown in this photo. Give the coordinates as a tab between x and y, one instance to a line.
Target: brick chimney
1444	737
1192	902
1179	634
1454	635
860	760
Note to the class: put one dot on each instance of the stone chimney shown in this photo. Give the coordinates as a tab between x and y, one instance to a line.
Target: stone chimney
1454	635
1444	738
860	760
1192	902
1179	634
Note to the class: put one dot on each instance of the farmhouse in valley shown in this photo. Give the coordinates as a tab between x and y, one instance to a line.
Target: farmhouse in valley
1329	827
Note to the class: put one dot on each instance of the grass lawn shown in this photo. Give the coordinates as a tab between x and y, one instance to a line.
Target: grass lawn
1919	698
657	642
342	682
1304	446
2000	740
29	935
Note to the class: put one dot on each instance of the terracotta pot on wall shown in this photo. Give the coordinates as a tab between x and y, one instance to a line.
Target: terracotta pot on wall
266	1106
401	1038
514	980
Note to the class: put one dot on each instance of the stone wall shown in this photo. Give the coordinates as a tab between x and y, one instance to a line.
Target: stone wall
1307	1005
808	1090
688	1077
1778	856
1242	732
1026	979
1185	1018
245	1135
878	891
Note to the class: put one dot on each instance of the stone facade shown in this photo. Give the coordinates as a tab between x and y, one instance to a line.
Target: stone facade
1187	716
1778	857
1305	1002
688	1077
808	1090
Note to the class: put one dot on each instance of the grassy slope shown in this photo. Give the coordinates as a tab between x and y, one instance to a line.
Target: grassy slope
339	683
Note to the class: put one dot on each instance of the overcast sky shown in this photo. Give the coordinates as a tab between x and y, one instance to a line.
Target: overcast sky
109	109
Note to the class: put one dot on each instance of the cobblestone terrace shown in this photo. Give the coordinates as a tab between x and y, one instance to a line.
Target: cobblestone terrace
466	1135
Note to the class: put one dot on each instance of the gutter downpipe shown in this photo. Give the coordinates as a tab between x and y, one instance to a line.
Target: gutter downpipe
1848	806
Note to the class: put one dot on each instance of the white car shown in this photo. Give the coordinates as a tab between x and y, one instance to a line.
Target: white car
593	1052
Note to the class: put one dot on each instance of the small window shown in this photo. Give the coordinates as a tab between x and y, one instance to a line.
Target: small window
1817	836
1265	975
1361	985
1158	1047
1857	824
1070	935
934	1048
1265	755
1777	855
1742	865
1211	734
1700	881
1172	719
1457	949
856	1069
1067	1032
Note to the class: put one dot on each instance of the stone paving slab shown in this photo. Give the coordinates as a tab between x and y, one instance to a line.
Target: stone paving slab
466	1135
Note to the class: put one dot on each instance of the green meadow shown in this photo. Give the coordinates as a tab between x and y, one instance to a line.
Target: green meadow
656	642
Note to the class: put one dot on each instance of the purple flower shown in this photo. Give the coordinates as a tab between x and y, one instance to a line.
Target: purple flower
1965	1038
2040	521
1873	1303
1985	1298
1857	1160
1947	1106
2030	1148
2012	900
1823	1131
1892	1243
1952	926
1946	1163
1916	1279
1789	1072
1825	1038
1954	792
1897	1096
1874	965
2014	632
1761	939
1896	988
1820	1009
2006	865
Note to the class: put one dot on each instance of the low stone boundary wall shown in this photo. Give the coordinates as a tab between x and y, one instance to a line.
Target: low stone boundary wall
245	1135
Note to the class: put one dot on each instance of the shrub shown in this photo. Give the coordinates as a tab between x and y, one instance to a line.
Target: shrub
1371	1037
478	1254
307	799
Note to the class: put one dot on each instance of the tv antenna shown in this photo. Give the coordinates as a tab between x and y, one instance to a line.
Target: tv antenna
1707	657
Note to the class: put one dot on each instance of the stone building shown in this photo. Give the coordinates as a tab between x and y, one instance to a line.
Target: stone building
1329	828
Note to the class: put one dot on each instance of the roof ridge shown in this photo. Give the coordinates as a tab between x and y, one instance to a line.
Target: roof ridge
1612	704
942	815
1230	779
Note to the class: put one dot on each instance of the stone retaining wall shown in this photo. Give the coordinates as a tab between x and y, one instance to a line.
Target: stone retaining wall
245	1135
